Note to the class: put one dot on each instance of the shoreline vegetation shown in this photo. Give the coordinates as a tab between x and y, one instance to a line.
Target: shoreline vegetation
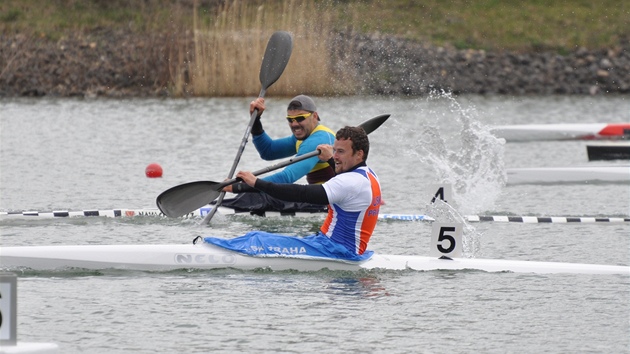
185	48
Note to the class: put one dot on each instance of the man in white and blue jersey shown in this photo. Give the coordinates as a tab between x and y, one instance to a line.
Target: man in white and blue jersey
353	197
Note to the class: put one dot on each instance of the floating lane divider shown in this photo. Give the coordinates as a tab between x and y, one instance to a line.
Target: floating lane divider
545	219
113	213
444	193
201	212
122	213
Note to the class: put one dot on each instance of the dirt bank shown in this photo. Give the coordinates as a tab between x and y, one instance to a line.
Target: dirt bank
119	64
392	66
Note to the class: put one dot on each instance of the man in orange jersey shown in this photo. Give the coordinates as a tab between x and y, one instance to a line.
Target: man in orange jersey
353	197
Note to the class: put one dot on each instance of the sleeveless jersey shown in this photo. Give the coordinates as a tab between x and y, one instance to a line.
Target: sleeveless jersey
355	200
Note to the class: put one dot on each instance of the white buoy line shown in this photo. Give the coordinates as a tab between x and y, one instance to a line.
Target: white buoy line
443	193
130	213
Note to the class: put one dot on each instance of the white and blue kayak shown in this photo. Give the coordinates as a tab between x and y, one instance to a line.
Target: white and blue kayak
566	131
206	256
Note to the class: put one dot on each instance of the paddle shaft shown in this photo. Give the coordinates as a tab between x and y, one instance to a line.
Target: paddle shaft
272	168
241	148
275	60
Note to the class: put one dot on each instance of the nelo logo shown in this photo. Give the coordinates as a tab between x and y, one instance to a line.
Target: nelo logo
205	259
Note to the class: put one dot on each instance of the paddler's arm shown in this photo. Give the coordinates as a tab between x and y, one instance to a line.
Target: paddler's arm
294	172
326	154
257	104
306	193
239	188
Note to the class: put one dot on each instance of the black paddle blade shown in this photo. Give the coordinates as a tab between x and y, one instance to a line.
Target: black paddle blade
185	198
371	125
276	58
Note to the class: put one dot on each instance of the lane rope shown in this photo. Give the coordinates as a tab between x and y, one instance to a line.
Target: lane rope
121	213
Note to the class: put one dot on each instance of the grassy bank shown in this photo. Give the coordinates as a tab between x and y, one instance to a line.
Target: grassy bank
519	25
482	24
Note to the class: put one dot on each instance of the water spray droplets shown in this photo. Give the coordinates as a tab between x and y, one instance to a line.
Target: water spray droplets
466	155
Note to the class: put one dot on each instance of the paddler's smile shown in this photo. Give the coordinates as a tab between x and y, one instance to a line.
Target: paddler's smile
297	130
302	123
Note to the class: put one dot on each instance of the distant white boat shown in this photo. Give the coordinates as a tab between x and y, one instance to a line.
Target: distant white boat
538	132
582	174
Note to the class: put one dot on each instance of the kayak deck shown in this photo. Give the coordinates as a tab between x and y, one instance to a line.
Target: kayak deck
205	256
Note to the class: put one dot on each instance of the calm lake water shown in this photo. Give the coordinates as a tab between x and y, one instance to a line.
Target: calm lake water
74	154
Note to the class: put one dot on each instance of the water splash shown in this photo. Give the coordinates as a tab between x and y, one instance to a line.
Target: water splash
463	153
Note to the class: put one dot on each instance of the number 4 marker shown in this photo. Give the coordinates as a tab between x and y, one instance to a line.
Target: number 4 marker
444	192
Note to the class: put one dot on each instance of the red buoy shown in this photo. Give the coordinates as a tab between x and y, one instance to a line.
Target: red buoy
154	170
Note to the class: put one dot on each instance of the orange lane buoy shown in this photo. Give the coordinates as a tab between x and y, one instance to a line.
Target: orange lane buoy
154	170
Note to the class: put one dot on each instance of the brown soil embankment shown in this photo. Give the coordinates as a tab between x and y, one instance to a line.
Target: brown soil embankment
119	64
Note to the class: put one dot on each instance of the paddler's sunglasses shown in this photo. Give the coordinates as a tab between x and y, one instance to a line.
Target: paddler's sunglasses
299	118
